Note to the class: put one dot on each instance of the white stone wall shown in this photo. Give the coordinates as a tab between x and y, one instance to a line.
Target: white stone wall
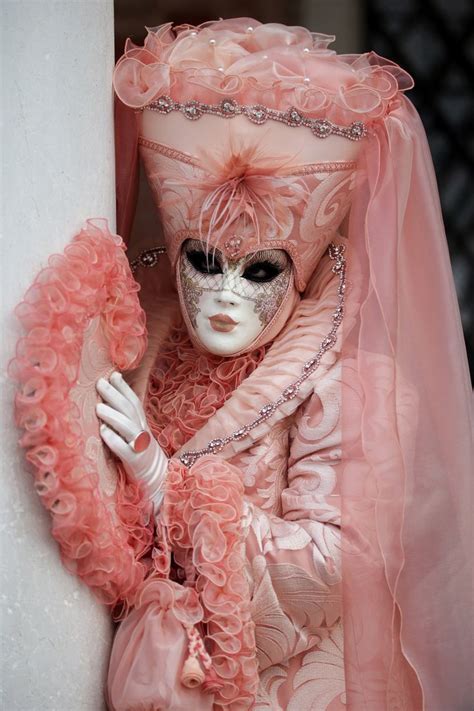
58	169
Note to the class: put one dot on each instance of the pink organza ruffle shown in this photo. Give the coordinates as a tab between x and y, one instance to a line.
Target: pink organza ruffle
101	537
253	63
200	525
186	388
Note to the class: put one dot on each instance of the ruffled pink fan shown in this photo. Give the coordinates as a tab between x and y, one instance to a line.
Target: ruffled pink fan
82	319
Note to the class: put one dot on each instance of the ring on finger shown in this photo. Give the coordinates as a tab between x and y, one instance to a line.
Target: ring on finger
141	441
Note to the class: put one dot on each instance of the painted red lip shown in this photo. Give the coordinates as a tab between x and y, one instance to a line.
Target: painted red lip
222	323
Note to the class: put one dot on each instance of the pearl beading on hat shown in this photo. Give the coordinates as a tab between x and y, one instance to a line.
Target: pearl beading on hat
336	253
258	114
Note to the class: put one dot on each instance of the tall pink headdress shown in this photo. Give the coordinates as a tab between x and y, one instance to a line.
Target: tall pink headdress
249	193
406	397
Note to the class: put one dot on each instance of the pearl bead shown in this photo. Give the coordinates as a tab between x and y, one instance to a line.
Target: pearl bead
249	29
306	50
212	41
220	69
193	33
306	79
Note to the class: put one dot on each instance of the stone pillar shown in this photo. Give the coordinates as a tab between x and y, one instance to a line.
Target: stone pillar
58	170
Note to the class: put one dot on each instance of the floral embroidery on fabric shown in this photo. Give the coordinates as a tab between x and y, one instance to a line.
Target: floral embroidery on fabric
192	292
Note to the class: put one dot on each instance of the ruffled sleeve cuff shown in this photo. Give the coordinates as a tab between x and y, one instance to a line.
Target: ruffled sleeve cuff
200	523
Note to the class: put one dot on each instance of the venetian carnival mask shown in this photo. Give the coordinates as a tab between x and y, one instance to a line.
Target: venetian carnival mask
229	303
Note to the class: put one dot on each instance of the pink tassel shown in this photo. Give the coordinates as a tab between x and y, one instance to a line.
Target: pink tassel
192	674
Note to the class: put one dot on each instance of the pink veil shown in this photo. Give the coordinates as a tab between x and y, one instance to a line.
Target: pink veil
406	488
407	420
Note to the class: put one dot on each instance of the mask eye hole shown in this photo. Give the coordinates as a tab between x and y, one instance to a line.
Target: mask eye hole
262	271
203	262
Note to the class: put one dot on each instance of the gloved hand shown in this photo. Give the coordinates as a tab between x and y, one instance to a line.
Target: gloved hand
123	420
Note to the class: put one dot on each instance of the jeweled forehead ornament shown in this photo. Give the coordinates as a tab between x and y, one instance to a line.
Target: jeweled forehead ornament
258	114
232	246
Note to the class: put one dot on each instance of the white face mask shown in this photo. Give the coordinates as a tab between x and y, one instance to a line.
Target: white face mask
230	303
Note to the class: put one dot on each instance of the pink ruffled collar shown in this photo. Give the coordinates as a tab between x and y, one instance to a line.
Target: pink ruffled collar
186	388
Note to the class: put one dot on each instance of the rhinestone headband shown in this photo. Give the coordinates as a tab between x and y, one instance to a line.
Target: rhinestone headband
336	253
228	108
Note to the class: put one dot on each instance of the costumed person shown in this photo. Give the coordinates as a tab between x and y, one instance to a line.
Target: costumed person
280	516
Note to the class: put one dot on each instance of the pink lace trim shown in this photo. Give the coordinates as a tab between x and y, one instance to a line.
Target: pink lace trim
186	388
200	522
90	278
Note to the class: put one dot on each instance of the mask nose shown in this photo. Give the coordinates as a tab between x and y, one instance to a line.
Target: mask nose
226	294
227	298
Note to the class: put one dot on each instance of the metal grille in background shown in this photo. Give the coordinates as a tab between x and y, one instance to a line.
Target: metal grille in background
434	41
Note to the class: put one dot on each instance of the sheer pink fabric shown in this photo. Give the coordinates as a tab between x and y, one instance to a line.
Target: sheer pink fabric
257	64
407	484
126	166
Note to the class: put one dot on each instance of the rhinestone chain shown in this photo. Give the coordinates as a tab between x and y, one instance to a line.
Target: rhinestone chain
228	108
148	258
336	253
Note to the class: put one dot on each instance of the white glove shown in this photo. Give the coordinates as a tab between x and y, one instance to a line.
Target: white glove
124	419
